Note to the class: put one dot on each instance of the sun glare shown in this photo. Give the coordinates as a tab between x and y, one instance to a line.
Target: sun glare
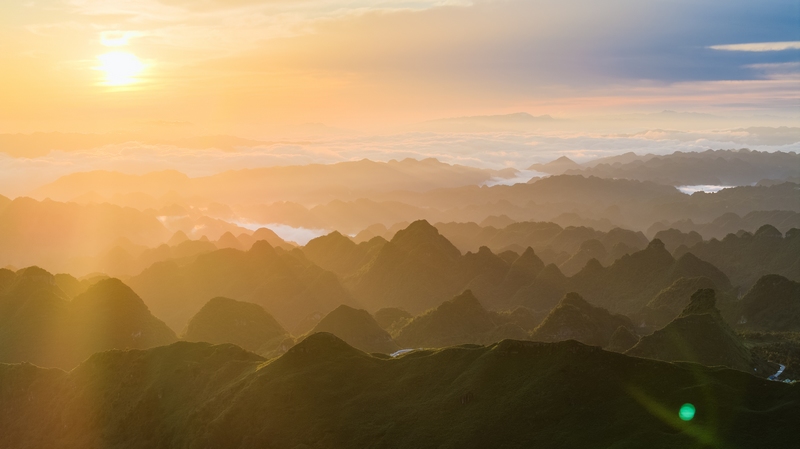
120	68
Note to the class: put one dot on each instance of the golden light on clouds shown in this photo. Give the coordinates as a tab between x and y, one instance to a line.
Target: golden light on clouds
120	68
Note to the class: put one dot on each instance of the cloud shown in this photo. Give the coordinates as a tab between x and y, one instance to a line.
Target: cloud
759	46
489	150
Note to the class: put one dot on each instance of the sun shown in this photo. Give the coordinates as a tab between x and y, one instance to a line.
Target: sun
120	68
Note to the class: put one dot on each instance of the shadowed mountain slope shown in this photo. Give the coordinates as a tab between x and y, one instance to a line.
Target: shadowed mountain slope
358	329
39	324
223	320
700	335
460	320
745	257
575	319
324	394
286	284
772	304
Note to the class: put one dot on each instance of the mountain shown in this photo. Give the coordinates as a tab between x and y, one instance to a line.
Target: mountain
670	302
745	257
223	320
53	234
545	290
461	320
285	283
732	223
772	304
416	269
40	324
323	393
633	280
700	335
391	317
622	339
575	319
344	181
711	167
556	167
358	329
339	254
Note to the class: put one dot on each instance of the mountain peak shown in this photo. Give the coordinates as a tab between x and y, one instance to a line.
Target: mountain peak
703	302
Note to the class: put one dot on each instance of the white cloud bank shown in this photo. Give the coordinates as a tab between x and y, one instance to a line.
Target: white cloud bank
759	46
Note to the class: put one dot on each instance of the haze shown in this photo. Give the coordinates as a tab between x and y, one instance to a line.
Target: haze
417	223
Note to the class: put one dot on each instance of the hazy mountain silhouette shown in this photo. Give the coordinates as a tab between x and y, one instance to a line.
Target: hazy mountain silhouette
633	280
557	166
711	167
339	254
286	284
746	257
358	328
41	325
323	393
575	319
460	320
391	317
248	325
415	270
731	223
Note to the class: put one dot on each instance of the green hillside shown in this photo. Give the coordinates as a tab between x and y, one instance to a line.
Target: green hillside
325	394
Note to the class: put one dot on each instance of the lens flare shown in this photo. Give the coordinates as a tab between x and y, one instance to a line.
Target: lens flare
120	68
686	412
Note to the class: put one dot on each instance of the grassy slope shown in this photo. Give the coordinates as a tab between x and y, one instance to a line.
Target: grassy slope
323	393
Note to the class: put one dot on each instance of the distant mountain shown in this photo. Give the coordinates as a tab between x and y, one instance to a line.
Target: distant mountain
772	305
731	223
248	325
286	284
460	320
358	328
633	280
670	302
337	253
391	317
343	181
700	335
746	257
41	325
711	167
556	167
415	270
324	393
53	234
575	319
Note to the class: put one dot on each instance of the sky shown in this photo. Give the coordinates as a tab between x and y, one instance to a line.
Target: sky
247	67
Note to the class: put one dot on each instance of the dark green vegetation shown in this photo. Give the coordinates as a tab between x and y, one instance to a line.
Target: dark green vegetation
701	335
324	394
575	319
461	320
40	324
244	324
772	304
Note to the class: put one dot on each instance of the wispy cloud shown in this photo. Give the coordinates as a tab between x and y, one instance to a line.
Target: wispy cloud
759	46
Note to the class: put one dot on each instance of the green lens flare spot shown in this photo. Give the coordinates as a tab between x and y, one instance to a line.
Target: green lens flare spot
686	412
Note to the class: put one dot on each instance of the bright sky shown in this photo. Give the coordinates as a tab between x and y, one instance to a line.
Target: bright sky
100	65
